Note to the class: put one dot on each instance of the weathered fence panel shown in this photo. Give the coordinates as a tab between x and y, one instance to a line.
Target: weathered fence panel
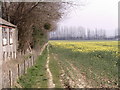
12	70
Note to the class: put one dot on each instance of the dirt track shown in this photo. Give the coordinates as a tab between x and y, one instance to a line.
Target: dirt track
50	78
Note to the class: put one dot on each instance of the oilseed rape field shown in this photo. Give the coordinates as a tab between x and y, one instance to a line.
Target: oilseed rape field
75	64
88	46
85	63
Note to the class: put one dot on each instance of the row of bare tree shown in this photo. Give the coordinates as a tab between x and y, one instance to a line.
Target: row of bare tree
79	33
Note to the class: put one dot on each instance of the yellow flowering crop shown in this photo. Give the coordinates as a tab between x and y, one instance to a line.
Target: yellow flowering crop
88	46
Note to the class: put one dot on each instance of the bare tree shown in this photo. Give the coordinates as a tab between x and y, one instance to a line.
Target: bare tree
29	15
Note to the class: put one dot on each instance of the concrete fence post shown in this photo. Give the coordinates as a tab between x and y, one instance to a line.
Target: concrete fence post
24	67
31	61
10	78
28	63
18	70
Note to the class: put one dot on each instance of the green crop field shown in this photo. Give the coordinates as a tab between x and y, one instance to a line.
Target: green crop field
96	61
75	64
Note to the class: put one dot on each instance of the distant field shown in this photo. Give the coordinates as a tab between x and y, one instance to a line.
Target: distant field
95	61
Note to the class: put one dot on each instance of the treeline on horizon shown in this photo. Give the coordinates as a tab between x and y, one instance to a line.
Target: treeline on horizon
65	33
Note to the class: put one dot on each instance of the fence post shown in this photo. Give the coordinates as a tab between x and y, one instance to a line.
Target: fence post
28	62
18	70
10	78
24	67
31	61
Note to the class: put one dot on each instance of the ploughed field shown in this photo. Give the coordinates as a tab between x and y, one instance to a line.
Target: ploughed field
84	63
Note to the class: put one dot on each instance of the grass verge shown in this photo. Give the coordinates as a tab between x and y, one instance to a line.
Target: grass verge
36	76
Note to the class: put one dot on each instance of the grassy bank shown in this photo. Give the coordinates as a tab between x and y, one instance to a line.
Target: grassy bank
36	76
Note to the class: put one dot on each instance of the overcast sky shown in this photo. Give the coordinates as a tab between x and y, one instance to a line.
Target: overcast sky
101	14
